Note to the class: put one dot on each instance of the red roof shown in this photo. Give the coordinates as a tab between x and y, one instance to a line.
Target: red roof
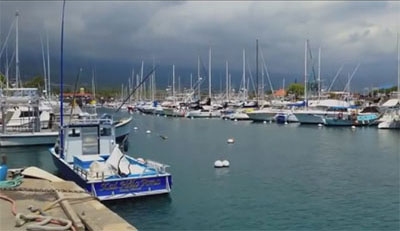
281	92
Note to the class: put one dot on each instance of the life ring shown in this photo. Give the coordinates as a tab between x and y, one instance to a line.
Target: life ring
340	115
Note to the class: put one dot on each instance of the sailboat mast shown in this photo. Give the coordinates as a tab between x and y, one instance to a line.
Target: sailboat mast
319	73
62	85
262	84
16	50
244	76
191	82
153	86
198	76
141	79
93	86
7	69
257	70
44	67
398	70
305	73
227	82
48	66
209	73
173	83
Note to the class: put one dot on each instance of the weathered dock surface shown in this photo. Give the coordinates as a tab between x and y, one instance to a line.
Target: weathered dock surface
60	200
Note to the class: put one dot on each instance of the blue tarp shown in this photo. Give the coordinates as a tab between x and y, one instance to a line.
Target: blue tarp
299	104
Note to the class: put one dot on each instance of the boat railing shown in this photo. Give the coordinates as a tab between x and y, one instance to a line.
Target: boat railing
81	171
159	167
85	120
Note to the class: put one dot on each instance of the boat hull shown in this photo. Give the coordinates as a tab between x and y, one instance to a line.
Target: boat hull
259	116
122	129
309	118
389	124
27	139
116	188
203	114
363	120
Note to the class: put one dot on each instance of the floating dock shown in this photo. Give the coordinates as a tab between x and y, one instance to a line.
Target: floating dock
53	204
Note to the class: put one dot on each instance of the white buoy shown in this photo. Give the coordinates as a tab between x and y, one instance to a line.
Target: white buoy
148	131
319	125
286	122
135	128
230	141
225	163
270	121
265	122
165	116
353	127
218	164
235	120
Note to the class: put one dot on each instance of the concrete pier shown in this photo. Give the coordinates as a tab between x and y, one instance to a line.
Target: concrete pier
60	200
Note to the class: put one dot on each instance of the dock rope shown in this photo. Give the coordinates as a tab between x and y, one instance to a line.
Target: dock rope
22	219
11	183
75	199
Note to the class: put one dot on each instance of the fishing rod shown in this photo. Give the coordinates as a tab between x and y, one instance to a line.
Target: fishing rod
134	90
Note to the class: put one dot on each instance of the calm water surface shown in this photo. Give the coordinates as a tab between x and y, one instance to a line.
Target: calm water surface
282	177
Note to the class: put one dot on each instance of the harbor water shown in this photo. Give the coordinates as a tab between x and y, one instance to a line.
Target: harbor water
281	177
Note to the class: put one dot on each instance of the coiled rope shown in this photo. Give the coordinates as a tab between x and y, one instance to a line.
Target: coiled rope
11	183
22	219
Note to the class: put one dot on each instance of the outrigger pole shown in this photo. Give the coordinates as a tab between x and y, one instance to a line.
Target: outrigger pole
62	85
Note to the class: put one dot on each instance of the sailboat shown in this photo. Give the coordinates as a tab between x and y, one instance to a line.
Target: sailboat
207	110
173	108
25	119
391	118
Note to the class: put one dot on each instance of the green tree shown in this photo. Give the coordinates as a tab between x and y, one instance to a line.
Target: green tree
296	89
36	81
3	80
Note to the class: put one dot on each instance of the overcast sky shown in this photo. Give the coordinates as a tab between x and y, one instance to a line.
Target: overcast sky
115	36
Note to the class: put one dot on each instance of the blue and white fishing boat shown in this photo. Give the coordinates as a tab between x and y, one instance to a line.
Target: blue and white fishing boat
87	153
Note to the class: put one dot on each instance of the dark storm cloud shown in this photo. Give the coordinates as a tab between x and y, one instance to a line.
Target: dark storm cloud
176	32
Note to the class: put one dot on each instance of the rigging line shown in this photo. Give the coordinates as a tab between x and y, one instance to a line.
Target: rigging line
204	69
251	76
8	35
312	64
351	77
267	73
74	92
334	78
134	90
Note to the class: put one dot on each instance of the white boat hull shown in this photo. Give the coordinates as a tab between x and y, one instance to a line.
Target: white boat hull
122	129
28	139
203	114
309	118
389	124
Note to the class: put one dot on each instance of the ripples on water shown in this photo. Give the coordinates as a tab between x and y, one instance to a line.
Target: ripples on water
282	177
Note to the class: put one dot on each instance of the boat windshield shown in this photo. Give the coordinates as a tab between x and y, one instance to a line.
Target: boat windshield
89	140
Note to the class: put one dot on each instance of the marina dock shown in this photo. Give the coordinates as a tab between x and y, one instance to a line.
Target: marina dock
63	203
